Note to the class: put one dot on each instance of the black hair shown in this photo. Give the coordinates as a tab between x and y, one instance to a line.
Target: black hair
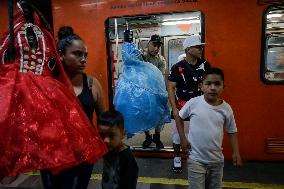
111	118
66	36
66	42
64	32
10	54
27	10
217	71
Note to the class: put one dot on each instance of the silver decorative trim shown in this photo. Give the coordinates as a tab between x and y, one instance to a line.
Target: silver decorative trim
21	52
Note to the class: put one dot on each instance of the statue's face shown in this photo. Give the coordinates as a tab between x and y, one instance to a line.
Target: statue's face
31	37
31	40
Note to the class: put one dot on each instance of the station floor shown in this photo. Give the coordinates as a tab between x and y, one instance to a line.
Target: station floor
156	173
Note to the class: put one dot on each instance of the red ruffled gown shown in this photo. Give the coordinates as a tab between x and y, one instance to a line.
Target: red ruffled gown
42	125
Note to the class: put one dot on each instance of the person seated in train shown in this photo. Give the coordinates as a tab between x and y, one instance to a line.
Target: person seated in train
120	168
73	54
203	142
44	124
183	84
152	55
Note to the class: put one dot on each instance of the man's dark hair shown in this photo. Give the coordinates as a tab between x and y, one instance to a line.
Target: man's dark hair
111	118
156	39
217	71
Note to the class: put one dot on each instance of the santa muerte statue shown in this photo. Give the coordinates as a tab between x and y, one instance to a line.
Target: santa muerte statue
42	125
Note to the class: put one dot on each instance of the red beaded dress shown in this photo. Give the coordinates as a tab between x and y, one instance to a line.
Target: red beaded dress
42	125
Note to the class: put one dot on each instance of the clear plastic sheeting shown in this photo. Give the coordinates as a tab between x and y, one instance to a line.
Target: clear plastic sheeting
141	94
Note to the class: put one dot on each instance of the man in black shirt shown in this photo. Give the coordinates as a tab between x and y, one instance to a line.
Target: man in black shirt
183	84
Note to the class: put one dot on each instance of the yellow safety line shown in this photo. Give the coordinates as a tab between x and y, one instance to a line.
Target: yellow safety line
184	182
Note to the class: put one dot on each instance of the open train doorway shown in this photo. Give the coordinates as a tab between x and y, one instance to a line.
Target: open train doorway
173	28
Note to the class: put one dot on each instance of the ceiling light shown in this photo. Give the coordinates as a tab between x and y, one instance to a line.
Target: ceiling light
178	19
181	22
274	15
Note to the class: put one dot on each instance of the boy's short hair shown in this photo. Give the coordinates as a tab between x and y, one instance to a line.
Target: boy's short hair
217	71
111	118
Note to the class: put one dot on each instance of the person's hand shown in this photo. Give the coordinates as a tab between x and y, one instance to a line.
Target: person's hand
237	160
185	145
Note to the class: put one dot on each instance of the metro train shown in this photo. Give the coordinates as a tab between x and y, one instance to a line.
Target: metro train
244	38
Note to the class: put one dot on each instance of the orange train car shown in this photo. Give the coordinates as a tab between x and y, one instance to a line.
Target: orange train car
245	38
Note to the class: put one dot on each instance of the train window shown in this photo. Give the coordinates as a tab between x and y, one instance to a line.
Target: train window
173	29
176	49
273	42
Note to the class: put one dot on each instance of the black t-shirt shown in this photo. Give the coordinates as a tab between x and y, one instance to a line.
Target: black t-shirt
187	77
120	170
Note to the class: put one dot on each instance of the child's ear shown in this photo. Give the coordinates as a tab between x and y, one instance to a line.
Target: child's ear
124	132
200	86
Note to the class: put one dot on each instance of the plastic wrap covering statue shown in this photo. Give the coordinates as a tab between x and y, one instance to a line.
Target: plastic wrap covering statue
42	125
141	93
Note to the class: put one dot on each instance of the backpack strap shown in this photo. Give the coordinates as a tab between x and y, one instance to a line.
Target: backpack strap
90	82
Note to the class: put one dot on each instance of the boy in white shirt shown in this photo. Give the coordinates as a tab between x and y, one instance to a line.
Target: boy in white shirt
208	115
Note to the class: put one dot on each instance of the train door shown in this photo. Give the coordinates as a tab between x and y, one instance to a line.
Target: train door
173	29
173	49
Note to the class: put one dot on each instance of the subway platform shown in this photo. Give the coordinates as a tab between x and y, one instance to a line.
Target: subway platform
156	173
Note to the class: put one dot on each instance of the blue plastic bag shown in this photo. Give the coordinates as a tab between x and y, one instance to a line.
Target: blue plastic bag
141	94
